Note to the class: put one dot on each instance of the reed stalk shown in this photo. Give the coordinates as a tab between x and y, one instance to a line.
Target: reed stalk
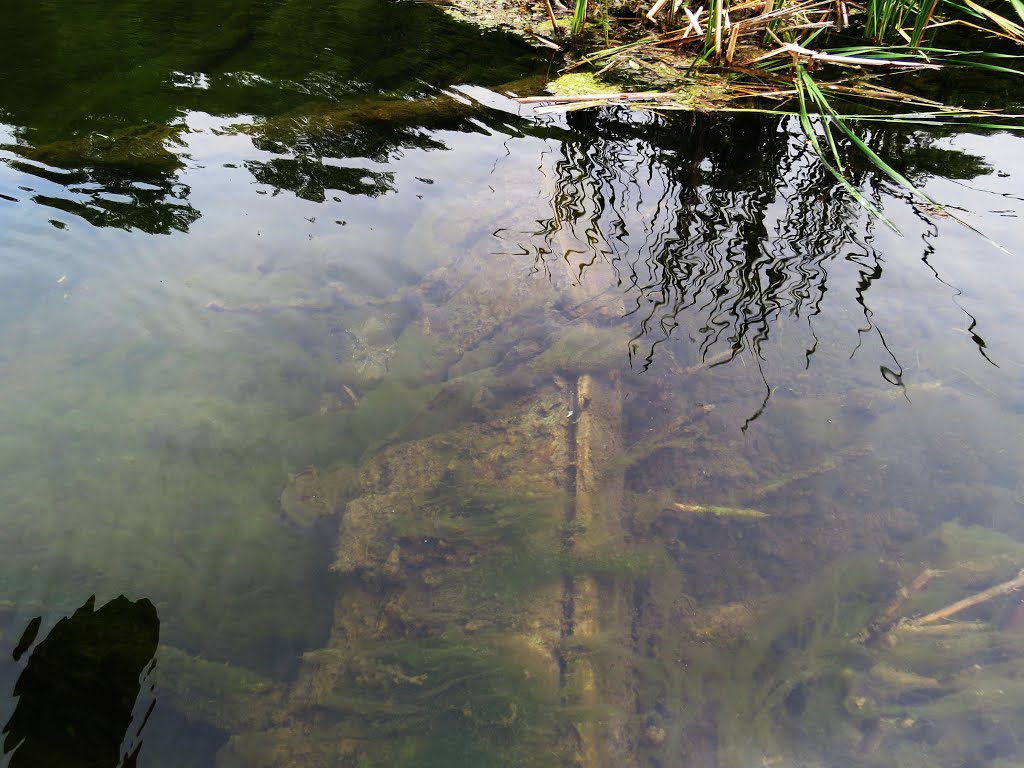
579	17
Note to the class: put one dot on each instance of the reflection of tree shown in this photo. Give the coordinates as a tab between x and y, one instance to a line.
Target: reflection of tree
311	141
311	178
126	180
79	687
75	68
105	198
95	93
719	222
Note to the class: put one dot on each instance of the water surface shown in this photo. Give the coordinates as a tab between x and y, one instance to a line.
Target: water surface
442	433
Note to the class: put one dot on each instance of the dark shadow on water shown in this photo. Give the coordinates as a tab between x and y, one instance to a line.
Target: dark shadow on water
95	94
78	689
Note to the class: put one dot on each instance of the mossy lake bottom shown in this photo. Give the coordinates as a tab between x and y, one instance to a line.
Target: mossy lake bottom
417	429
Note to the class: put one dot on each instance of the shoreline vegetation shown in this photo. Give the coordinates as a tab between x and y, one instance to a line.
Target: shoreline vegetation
836	65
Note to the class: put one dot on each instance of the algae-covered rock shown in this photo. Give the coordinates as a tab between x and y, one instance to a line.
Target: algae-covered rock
305	501
229	697
449	612
449	494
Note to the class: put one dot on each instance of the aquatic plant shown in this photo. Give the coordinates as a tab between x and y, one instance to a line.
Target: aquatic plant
803	58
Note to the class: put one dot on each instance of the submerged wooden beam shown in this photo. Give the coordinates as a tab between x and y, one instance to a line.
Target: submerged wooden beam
600	605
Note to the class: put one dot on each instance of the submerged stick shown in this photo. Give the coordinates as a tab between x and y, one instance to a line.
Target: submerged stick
828	465
997	591
952	628
544	41
919	583
719	511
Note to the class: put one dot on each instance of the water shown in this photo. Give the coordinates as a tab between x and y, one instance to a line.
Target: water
441	433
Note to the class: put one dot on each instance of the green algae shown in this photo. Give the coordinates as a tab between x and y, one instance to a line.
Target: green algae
450	552
579	84
802	671
799	656
444	529
427	701
228	696
581	349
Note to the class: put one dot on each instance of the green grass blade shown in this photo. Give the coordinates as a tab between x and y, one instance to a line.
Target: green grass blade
879	163
900	51
579	17
607	52
817	97
944	56
1015	30
924	15
899	178
869	153
812	138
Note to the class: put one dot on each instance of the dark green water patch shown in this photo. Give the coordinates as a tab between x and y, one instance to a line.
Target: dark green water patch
120	80
109	66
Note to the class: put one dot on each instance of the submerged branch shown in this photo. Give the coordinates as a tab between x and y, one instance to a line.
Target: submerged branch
969	602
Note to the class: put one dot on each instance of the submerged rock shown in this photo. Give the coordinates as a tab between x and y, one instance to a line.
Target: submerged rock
463	535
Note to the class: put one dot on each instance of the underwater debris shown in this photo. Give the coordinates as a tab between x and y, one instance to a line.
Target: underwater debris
704	509
998	590
483	578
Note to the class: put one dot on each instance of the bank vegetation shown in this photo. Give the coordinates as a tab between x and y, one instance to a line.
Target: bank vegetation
832	64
